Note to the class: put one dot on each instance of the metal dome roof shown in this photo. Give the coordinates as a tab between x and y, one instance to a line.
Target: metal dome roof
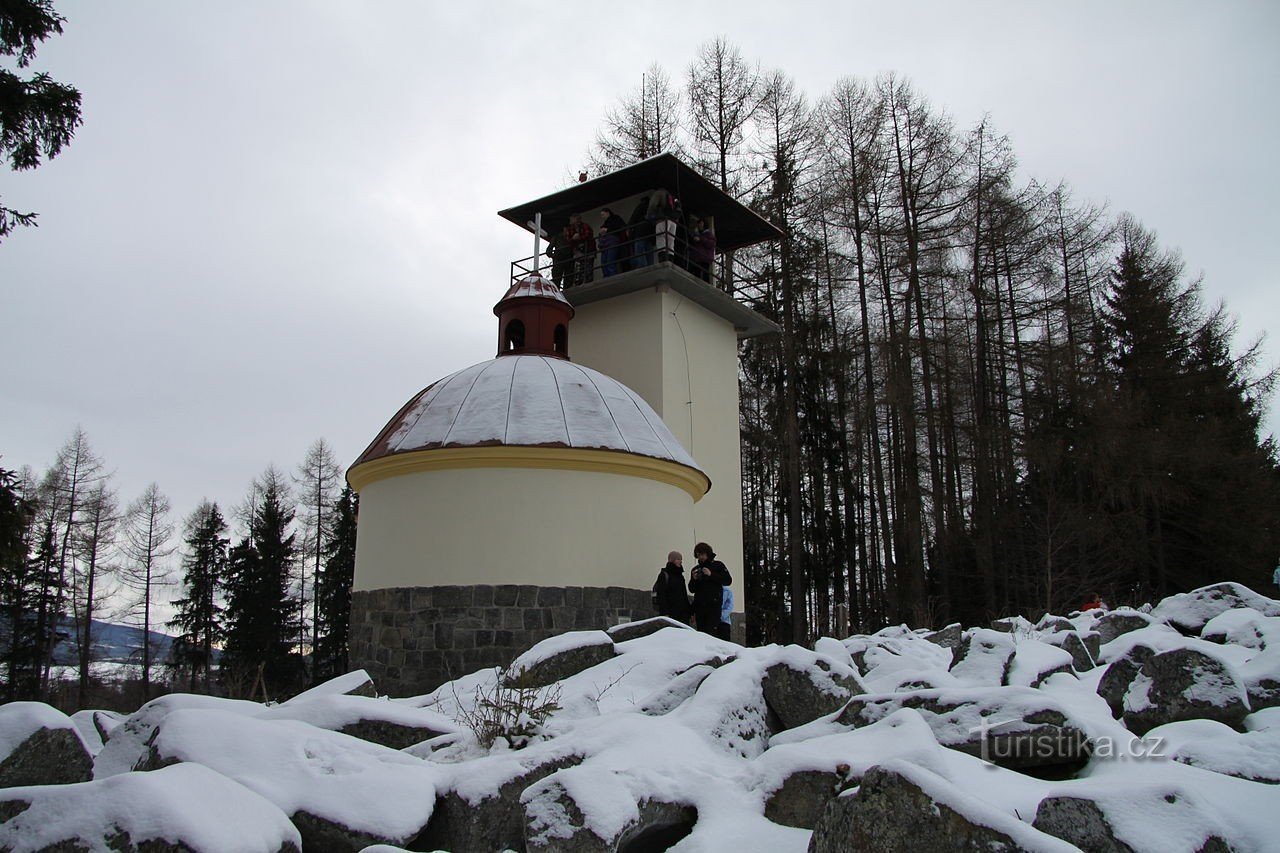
533	285
529	401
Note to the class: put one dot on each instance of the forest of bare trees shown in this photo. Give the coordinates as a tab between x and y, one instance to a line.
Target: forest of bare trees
989	396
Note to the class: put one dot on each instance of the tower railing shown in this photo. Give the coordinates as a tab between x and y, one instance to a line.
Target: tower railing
569	268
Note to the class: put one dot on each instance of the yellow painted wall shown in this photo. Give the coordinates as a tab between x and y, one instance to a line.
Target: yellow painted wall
518	526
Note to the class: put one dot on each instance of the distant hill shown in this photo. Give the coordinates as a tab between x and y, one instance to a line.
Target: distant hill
111	643
115	643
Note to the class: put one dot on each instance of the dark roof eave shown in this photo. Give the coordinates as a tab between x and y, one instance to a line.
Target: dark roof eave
737	226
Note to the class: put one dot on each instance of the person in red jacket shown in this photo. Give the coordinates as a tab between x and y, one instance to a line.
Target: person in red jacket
581	245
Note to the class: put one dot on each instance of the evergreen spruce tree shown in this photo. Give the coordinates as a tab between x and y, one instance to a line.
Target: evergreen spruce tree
38	115
199	615
1192	488
19	587
333	590
261	613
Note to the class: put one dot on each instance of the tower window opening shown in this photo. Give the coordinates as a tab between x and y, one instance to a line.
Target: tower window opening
560	340
513	336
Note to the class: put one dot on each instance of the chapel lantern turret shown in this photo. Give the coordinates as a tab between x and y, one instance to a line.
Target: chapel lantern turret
533	319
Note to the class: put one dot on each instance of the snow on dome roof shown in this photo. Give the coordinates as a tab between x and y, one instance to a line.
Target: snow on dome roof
534	285
530	401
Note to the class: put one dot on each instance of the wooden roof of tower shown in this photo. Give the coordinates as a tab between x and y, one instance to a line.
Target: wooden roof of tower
736	225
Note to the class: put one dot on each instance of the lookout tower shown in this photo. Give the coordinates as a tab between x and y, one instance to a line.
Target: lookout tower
656	309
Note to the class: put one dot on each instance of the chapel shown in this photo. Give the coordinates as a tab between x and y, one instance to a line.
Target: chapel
539	491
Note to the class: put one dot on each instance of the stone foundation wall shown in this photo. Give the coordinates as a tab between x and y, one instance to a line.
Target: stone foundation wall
413	639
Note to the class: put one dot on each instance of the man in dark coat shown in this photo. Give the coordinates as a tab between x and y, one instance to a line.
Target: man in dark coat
707	582
668	590
612	233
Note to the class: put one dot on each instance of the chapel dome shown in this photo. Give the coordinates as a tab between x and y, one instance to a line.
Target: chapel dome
530	401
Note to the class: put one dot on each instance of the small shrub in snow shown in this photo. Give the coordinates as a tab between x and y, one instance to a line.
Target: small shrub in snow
505	710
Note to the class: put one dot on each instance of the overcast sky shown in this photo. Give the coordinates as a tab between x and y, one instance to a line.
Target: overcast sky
278	220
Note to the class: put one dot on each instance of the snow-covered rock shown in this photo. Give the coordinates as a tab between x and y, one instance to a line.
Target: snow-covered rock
557	822
557	658
183	808
1033	661
1189	612
1183	684
1158	805
948	637
341	792
1015	727
802	686
129	740
479	804
1211	745
1122	620
902	807
40	745
643	628
1245	627
1261	676
1119	674
984	657
378	721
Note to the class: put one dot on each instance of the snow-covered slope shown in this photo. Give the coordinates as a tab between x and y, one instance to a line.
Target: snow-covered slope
1121	731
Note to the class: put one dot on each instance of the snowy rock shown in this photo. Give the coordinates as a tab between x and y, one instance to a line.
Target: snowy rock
89	734
557	658
1050	624
901	807
1013	727
804	686
1189	612
984	657
354	683
948	637
729	708
1262	679
802	796
893	658
1034	661
1120	621
1210	745
129	740
39	745
183	808
1012	625
1120	674
832	648
670	696
1243	627
342	793
555	822
1136	818
378	721
1183	684
105	722
643	628
483	811
1084	649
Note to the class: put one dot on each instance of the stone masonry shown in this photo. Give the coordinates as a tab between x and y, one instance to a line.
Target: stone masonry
413	639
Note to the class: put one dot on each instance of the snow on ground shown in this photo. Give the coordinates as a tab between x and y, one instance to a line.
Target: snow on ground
679	720
185	804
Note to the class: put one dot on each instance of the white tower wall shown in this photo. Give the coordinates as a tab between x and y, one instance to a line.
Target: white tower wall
683	359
